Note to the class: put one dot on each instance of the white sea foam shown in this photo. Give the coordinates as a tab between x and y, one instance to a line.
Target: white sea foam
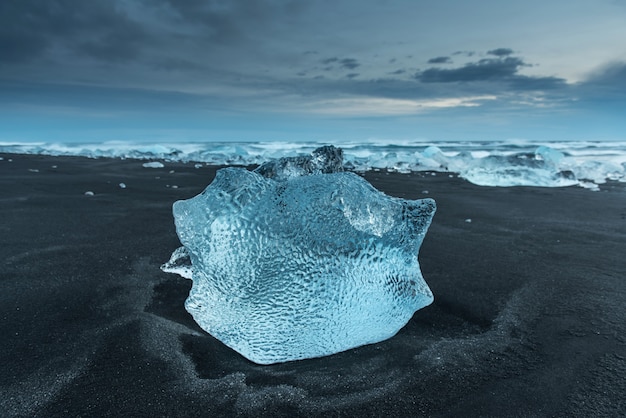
489	163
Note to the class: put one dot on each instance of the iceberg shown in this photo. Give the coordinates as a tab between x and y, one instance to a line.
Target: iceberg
300	259
540	168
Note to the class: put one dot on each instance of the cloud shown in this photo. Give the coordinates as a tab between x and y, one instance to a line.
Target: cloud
612	74
176	64
466	53
29	28
214	20
349	63
500	52
259	55
485	69
346	63
606	84
440	60
502	69
18	41
378	106
123	43
114	31
20	45
227	22
520	82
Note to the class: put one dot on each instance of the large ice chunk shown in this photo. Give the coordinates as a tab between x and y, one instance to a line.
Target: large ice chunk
523	169
309	262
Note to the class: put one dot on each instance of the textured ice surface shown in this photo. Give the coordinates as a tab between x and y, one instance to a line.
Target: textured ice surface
309	262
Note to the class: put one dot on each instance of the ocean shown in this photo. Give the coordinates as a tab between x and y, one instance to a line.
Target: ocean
490	163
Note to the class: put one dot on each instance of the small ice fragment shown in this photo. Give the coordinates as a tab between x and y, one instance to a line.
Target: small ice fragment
33	170
89	193
153	164
179	263
1	158
197	165
468	220
173	186
54	166
589	185
122	185
172	171
425	192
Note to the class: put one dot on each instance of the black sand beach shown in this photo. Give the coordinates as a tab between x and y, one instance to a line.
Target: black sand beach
529	317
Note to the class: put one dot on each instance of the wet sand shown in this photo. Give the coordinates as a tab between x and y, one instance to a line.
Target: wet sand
529	317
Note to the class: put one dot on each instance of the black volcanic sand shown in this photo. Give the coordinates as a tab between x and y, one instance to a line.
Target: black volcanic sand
529	317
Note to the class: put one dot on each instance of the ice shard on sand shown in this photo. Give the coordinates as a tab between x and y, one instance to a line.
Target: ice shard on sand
299	259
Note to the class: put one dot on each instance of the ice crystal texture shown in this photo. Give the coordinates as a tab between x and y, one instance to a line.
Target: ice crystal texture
299	259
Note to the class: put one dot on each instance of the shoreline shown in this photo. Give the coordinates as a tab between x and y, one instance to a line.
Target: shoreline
528	317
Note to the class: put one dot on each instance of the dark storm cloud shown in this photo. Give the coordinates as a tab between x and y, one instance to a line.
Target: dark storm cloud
500	52
217	20
488	70
440	60
226	22
352	75
398	72
18	42
122	43
116	30
485	69
28	28
502	69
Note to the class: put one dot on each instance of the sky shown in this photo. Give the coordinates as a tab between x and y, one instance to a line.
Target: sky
312	70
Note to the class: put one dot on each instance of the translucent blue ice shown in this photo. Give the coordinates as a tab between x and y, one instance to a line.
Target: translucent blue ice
300	259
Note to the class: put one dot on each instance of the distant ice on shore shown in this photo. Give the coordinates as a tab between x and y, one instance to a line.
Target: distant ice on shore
499	163
153	164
